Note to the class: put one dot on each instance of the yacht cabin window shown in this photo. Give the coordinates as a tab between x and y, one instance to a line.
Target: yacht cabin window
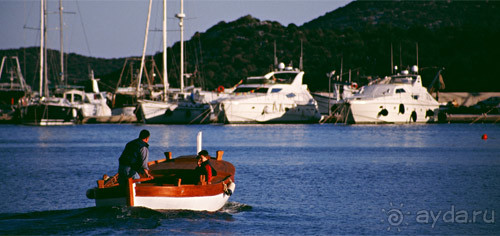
250	89
77	98
261	90
284	78
260	80
400	90
275	90
68	96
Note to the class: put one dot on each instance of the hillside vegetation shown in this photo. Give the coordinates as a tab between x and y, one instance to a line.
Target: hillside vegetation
461	36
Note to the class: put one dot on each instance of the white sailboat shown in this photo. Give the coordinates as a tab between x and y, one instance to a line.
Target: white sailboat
46	110
13	89
179	106
400	98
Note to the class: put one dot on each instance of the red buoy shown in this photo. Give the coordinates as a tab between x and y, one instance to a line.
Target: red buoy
485	136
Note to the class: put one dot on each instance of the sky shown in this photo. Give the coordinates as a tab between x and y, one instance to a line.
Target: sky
116	28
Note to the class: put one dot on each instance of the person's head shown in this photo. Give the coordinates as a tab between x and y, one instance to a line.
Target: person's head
203	155
144	135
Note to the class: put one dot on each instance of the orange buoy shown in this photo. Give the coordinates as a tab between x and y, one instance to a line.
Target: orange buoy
485	136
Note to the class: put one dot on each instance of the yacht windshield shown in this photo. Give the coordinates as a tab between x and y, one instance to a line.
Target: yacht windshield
402	80
283	78
250	90
258	80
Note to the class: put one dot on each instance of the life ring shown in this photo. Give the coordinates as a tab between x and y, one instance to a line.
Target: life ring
354	85
220	89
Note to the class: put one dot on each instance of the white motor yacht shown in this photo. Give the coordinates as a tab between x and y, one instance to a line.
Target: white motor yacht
400	98
277	97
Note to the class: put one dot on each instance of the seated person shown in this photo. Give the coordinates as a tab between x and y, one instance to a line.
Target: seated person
204	167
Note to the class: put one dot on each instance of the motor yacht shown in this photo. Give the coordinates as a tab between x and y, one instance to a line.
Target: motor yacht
277	97
400	98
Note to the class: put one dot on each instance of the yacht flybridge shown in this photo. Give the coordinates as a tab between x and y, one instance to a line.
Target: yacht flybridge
400	98
277	97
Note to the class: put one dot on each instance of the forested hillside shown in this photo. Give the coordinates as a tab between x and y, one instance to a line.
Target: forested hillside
461	36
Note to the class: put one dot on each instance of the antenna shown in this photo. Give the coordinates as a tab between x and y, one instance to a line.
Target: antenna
301	66
416	44
392	61
275	58
181	16
400	55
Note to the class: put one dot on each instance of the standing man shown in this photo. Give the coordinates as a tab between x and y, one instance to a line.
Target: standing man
134	159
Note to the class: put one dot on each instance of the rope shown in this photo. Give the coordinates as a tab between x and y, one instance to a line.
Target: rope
484	115
83	27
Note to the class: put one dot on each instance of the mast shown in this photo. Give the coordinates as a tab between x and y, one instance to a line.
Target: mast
144	50
165	76
45	72
301	66
181	16
42	33
61	40
341	66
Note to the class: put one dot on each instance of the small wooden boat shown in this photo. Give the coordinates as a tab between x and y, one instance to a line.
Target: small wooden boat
175	186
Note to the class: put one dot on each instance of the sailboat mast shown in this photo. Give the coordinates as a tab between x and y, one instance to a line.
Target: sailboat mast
42	33
144	50
45	72
181	16
165	75
61	40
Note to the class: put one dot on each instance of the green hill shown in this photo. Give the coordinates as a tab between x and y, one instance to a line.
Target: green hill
461	36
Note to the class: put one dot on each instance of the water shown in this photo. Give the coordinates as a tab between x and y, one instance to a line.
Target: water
290	179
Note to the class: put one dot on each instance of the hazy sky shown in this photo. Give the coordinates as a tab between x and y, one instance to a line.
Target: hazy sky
115	28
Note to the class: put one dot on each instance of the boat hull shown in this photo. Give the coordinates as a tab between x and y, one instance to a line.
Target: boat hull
176	186
199	203
157	112
366	112
48	114
255	111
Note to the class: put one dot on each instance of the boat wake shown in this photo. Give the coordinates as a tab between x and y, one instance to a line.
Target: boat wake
106	220
235	207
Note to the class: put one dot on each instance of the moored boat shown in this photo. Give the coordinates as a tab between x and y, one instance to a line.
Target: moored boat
400	98
176	186
13	90
277	97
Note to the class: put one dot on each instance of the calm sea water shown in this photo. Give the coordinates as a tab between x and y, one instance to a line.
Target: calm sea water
290	179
